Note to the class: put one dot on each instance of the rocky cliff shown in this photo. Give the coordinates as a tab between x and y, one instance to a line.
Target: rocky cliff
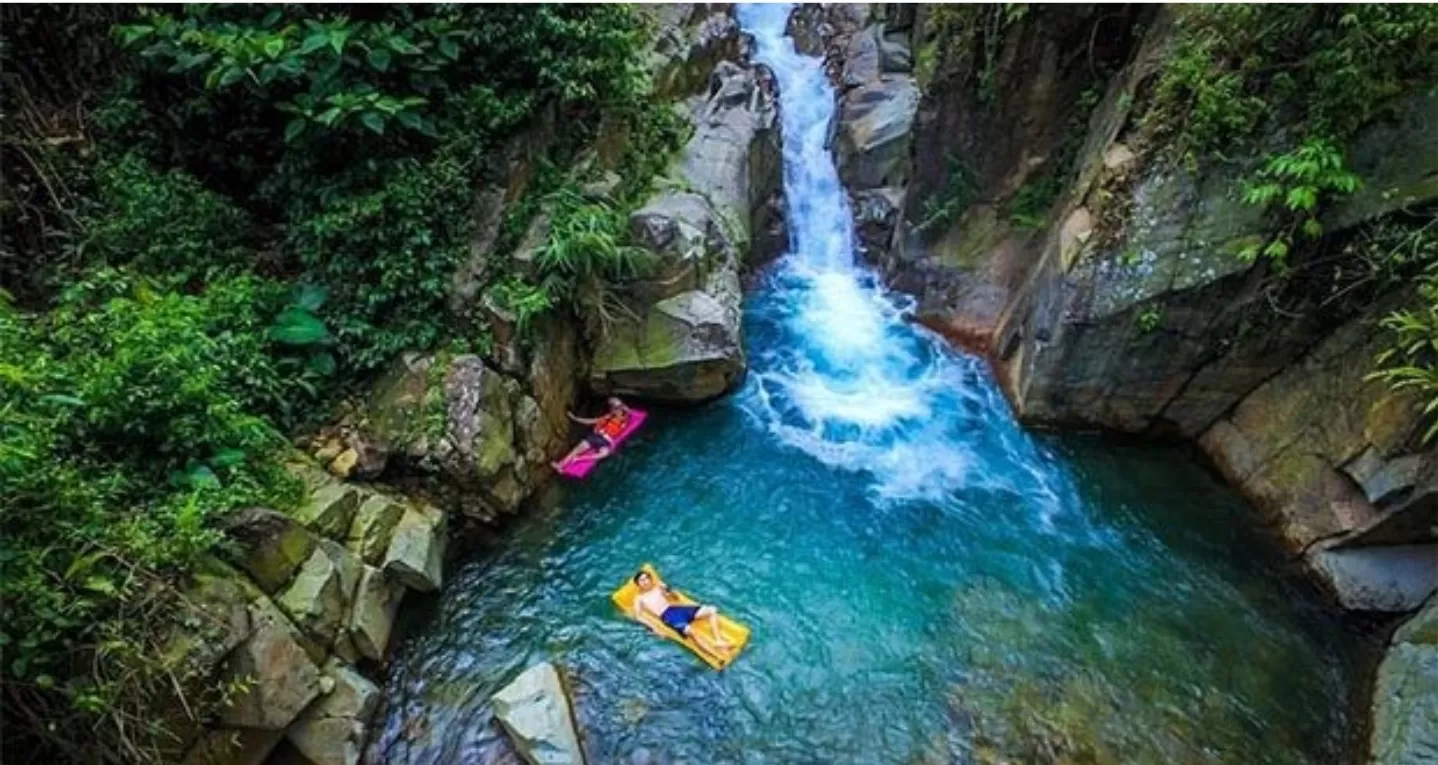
1009	184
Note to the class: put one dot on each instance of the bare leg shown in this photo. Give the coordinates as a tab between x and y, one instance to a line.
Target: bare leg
578	450
710	614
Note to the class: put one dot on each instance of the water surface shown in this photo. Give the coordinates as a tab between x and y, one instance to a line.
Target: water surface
926	581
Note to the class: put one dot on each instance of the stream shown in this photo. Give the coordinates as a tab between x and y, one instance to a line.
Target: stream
926	581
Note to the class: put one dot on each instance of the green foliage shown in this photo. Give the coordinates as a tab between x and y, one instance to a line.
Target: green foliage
1296	182
1412	361
128	419
1149	318
134	219
958	192
1029	207
1236	71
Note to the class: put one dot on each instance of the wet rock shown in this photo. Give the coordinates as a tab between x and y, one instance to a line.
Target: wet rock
371	619
271	545
876	123
375	520
416	550
332	730
691	41
534	709
894	54
280	676
1391	578
876	215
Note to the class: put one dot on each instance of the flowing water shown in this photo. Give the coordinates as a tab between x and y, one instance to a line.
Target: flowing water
926	581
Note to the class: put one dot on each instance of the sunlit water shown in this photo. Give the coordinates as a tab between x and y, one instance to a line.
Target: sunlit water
926	582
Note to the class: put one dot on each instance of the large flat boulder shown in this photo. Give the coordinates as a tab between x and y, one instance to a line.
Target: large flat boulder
534	709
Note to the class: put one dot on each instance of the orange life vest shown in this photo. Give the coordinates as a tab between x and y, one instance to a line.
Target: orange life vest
611	425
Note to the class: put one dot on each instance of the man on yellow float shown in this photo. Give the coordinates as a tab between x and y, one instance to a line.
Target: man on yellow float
680	618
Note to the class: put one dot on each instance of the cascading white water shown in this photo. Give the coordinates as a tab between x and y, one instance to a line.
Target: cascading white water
852	383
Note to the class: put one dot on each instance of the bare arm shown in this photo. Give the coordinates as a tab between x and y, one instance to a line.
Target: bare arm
582	420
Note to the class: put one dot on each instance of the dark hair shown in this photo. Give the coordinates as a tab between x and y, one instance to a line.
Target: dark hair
641	573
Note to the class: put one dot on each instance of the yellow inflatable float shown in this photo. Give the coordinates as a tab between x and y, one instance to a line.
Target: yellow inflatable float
734	632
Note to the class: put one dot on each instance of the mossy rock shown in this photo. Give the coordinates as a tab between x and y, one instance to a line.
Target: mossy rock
272	546
374	524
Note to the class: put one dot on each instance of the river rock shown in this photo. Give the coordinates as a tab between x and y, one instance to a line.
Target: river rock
373	527
271	545
876	123
332	730
1390	578
371	618
416	550
280	677
534	709
1422	628
329	510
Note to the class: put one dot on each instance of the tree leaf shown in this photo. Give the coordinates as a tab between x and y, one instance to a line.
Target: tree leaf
274	47
379	59
314	42
322	364
449	48
294	129
374	121
296	326
310	296
337	40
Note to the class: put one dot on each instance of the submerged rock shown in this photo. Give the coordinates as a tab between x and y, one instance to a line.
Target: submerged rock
534	709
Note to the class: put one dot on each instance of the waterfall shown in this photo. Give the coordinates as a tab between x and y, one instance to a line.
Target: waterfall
851	382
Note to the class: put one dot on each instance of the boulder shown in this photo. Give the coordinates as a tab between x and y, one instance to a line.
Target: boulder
686	348
894	54
1422	628
690	41
278	675
271	545
375	519
682	342
315	600
1391	578
876	123
216	619
329	510
534	709
372	613
876	215
416	550
332	730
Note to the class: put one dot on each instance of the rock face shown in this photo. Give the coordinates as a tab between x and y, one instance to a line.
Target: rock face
486	434
684	343
288	624
534	710
1404	725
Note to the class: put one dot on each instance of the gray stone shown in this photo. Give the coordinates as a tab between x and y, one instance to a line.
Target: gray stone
1405	707
1393	578
894	54
332	730
416	551
876	123
534	709
271	545
329	510
278	673
374	523
371	619
315	600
